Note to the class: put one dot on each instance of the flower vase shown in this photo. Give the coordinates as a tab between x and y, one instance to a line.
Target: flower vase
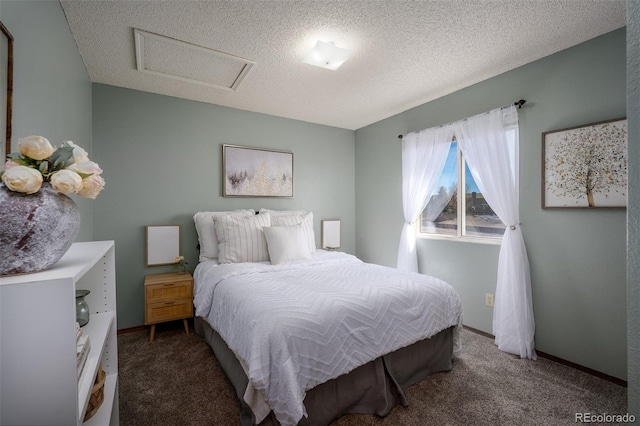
37	229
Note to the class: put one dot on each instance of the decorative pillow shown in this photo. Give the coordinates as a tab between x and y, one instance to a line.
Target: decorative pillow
207	232
281	212
286	243
241	238
305	219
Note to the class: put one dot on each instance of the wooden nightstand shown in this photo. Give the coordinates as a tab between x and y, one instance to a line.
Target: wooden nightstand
167	297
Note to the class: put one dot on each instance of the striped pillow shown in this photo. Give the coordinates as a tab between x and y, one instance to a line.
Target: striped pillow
241	238
306	222
207	231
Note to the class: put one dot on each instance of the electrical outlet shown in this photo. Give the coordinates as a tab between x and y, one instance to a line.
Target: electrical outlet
488	299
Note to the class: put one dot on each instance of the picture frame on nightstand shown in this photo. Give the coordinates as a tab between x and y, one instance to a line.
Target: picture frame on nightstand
163	244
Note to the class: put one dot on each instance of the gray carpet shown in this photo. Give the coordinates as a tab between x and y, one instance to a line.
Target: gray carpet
176	380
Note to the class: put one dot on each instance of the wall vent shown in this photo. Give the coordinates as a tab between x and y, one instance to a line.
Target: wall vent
171	58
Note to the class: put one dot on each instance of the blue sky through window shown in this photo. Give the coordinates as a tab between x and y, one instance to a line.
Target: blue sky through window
450	173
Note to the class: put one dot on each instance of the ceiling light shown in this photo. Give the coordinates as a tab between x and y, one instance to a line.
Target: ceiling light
327	55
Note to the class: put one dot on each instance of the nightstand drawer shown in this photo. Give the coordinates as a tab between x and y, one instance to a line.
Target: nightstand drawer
170	291
167	297
167	311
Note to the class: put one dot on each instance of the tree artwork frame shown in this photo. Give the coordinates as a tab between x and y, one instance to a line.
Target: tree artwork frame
585	167
256	172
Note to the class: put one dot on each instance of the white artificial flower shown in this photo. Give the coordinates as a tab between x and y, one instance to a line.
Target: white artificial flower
91	186
86	167
35	147
79	154
10	164
22	179
66	181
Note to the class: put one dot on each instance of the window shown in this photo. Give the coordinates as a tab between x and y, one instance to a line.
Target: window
468	217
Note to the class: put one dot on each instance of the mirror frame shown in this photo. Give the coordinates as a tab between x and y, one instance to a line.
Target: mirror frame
8	106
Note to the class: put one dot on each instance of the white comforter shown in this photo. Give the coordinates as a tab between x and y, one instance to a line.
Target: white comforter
296	325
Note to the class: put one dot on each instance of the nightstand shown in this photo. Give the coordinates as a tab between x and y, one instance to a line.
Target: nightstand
167	297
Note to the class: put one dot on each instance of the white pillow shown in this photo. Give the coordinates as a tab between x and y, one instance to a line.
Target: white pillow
286	243
241	238
305	219
207	232
281	212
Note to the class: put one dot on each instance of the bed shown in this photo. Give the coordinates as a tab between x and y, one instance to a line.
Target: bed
308	335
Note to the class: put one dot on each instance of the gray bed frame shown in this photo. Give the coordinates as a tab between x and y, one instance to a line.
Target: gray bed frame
373	388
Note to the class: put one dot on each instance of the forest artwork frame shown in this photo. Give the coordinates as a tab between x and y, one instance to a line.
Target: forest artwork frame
256	172
585	167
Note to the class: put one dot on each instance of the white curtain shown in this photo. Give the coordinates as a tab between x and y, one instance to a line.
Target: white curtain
437	203
423	158
483	141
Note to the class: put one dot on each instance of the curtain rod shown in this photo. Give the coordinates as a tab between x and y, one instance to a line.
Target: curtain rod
518	105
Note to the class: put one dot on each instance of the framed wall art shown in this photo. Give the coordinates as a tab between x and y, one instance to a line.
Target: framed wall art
6	88
585	167
256	172
163	244
330	233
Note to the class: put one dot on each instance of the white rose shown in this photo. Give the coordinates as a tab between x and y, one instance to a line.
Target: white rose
86	167
91	186
22	179
79	154
10	164
66	181
35	147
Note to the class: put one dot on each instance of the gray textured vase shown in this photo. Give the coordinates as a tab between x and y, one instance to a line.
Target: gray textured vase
36	230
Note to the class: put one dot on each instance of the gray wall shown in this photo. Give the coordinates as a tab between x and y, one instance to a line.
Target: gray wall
633	213
577	257
51	87
161	158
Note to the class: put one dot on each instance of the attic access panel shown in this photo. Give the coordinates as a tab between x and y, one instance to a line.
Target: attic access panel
171	58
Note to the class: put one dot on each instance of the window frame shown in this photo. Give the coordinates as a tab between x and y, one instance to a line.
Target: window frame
461	218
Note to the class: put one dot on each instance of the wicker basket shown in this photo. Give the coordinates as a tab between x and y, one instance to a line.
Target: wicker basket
97	395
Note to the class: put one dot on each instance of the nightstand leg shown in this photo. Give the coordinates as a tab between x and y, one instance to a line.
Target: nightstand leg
186	326
153	333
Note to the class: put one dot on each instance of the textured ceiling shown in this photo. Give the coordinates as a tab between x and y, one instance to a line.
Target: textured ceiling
405	53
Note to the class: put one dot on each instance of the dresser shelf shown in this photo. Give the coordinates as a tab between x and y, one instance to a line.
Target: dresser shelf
38	376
